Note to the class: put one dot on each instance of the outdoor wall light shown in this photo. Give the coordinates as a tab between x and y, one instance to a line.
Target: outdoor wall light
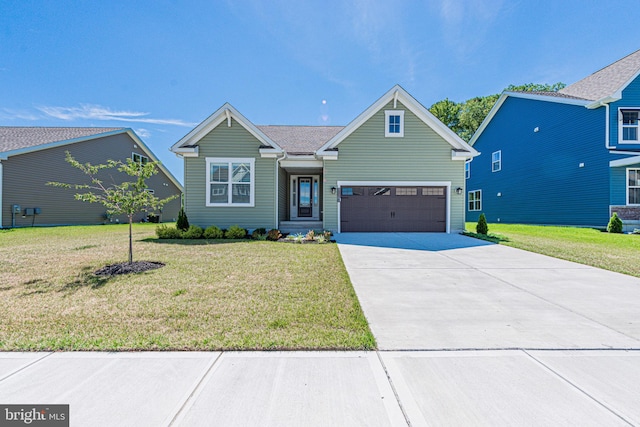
459	190
333	190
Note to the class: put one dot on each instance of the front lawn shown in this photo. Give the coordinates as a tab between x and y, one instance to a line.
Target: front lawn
615	252
210	295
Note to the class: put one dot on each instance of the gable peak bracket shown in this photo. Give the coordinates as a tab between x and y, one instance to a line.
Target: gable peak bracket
395	99
228	114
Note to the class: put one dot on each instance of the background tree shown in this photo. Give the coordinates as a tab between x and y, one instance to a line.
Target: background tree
126	198
465	118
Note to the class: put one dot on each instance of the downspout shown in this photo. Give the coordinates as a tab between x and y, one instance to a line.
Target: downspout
277	218
606	126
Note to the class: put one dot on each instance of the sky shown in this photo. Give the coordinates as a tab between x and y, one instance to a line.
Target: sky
161	67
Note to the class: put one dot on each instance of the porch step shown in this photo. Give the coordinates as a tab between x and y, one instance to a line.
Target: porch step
295	227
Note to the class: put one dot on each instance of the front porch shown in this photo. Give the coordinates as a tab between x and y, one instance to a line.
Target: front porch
300	196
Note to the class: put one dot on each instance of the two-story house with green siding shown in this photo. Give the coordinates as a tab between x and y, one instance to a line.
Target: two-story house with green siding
395	167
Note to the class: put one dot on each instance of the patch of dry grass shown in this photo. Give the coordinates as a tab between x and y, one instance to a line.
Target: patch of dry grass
211	295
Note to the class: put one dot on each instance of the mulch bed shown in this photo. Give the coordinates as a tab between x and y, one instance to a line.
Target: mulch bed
127	268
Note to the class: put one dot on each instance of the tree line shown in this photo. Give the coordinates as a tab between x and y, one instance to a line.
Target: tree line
464	118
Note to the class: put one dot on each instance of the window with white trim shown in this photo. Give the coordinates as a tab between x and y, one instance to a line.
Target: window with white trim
394	123
475	200
496	161
629	126
633	186
230	182
467	169
139	158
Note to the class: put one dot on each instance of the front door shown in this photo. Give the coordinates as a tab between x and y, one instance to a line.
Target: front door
305	209
304	197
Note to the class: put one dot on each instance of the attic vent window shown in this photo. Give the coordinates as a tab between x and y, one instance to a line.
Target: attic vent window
394	123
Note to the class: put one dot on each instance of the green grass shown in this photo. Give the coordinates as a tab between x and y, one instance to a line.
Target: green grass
211	295
615	252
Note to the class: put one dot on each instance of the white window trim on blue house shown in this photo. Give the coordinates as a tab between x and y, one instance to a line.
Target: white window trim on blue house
622	126
474	200
630	187
496	161
230	183
396	129
467	169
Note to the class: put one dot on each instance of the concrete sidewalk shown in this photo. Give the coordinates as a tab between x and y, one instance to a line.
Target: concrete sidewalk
515	387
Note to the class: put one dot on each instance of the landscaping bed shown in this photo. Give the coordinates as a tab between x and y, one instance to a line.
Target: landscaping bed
210	294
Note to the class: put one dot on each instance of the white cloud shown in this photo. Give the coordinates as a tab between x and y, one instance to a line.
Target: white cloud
143	133
10	114
97	112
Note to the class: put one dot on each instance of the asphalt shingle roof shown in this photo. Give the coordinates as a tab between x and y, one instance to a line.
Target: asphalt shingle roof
300	139
16	138
606	81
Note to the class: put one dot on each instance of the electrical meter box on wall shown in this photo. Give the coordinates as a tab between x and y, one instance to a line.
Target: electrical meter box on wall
16	209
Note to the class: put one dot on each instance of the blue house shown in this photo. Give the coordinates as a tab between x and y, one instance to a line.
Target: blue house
570	157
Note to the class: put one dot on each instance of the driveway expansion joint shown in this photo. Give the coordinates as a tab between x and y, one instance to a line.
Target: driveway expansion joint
28	365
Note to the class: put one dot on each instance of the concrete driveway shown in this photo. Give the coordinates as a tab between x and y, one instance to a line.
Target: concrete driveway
425	291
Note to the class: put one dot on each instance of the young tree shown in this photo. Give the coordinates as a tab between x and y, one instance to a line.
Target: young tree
125	198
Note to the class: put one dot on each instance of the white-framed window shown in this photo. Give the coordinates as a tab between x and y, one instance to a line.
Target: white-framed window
230	181
475	200
467	169
496	161
633	186
628	124
139	158
394	123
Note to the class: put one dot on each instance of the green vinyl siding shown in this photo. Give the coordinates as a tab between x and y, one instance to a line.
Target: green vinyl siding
421	155
230	142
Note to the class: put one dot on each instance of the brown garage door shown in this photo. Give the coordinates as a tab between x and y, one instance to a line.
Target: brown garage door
393	209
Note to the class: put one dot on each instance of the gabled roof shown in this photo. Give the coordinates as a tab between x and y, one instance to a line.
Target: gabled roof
300	139
189	142
20	140
537	96
608	82
397	93
16	138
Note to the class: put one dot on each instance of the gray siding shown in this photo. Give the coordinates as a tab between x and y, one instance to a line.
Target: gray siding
234	141
366	155
25	177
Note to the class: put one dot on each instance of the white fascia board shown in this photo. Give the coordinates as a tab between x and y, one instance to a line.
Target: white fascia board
397	92
625	162
270	153
463	155
328	155
187	151
220	115
292	162
603	101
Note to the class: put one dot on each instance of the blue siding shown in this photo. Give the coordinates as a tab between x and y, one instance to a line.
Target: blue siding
630	98
541	181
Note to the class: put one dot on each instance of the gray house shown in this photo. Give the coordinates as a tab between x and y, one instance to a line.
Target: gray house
394	168
32	156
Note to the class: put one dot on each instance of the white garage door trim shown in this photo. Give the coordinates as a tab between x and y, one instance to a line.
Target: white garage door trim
399	184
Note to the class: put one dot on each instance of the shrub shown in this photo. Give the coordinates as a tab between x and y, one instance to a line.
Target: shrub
183	221
235	232
259	234
193	232
274	235
165	232
615	224
482	227
213	232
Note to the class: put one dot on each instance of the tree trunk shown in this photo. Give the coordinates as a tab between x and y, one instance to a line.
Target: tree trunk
130	240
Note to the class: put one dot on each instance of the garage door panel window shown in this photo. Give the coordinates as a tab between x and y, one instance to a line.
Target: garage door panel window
475	200
230	182
406	191
433	191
